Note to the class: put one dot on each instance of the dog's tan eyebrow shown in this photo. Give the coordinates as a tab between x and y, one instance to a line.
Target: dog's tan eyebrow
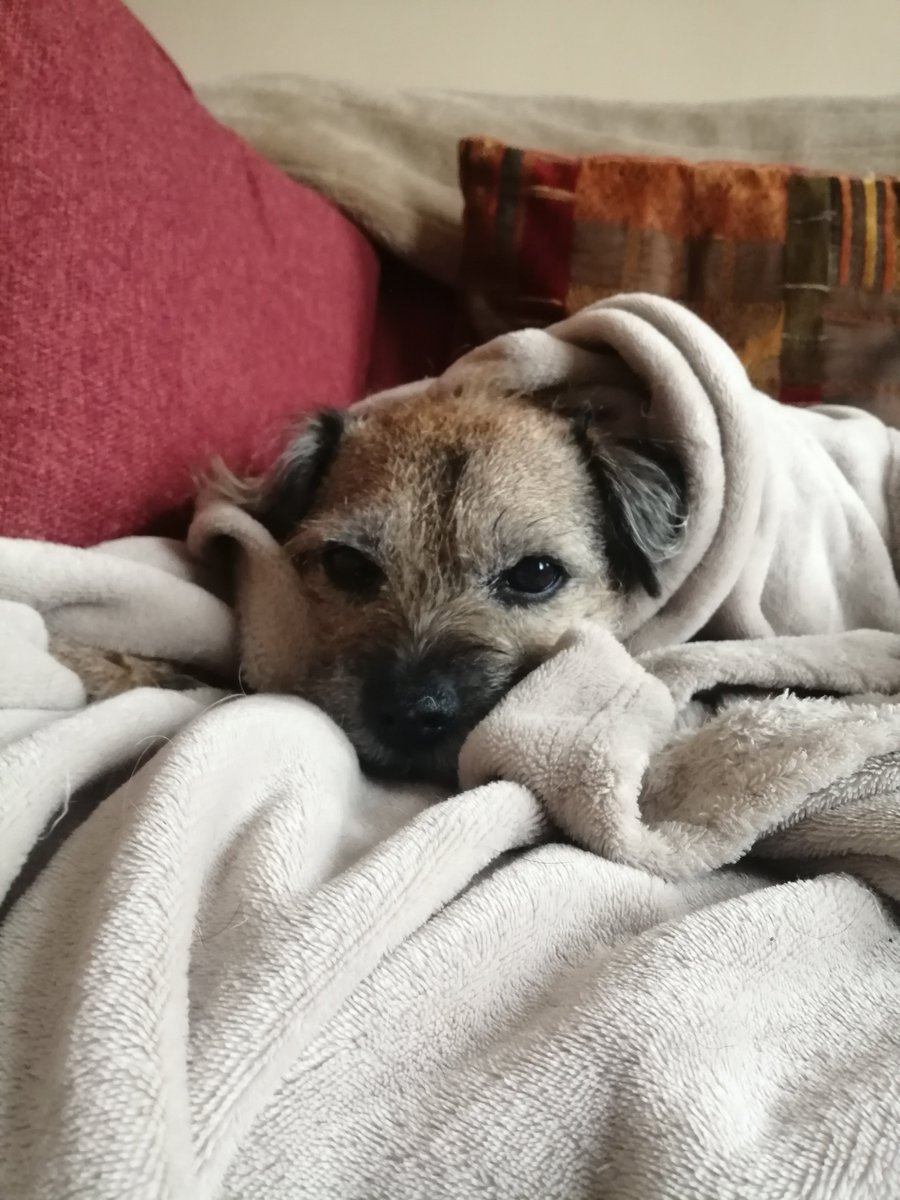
520	528
356	531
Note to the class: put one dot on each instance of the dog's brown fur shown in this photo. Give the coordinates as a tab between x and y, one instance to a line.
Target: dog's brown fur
444	492
108	673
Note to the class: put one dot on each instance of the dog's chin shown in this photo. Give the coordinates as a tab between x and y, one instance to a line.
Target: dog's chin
433	765
429	765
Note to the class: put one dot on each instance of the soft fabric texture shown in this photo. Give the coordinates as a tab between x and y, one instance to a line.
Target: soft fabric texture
625	765
792	522
795	269
165	293
252	973
390	158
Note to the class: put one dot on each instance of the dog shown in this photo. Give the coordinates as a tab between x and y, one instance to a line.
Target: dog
445	542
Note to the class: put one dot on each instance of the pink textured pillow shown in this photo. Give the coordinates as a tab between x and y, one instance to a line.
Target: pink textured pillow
165	294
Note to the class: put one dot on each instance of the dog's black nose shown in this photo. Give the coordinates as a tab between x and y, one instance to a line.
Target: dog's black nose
411	707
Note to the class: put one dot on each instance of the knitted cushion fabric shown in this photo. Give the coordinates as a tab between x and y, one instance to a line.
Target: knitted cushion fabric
165	294
797	270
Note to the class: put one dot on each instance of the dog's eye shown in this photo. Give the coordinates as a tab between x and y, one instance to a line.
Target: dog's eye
350	570
533	576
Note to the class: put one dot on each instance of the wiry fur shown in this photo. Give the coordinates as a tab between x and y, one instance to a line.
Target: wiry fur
107	673
444	492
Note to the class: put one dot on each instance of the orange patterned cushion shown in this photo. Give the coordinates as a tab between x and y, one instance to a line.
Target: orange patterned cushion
796	270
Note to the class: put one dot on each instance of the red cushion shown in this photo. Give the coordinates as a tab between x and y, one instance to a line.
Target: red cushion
419	327
165	294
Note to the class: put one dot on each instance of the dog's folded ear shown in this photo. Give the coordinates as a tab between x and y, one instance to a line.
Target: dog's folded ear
642	506
283	496
639	483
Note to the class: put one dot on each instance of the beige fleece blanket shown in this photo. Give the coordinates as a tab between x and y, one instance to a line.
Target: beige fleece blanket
389	158
250	972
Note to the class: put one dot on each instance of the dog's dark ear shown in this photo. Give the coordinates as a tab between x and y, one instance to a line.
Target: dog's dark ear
302	466
642	504
640	484
281	498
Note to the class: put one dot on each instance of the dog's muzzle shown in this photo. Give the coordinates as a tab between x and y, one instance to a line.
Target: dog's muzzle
412	707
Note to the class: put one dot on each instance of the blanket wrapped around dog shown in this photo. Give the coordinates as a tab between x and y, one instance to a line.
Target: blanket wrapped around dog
251	972
793	513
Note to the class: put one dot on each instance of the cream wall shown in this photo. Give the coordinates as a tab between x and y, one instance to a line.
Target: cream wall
625	49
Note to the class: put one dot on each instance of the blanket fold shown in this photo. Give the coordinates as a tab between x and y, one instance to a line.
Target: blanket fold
251	972
633	775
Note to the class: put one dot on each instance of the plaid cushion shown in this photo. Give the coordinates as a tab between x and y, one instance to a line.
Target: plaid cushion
796	270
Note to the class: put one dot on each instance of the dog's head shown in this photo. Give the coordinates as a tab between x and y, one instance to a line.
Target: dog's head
445	543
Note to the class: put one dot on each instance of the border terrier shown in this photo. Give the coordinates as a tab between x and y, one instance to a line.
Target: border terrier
445	542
